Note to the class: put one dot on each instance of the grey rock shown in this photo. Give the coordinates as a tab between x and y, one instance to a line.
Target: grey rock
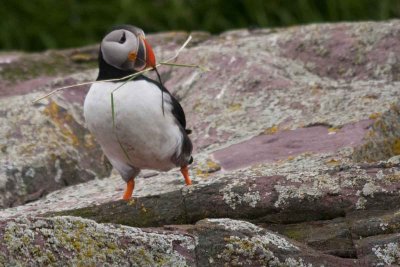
295	130
214	242
75	241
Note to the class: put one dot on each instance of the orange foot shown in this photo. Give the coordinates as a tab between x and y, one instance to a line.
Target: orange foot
130	185
185	173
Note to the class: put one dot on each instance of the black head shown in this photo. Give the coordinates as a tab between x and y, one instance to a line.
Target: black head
123	51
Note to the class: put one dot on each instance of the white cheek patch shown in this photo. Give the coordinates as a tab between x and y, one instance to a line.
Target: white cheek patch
132	43
115	53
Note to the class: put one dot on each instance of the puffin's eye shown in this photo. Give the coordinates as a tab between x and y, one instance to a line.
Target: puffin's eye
123	39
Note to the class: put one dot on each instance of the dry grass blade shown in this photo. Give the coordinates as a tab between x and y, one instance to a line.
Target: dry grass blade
127	79
59	89
131	76
180	49
112	97
204	69
113	109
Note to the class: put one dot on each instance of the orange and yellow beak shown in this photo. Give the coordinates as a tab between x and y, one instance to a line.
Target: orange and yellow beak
144	56
150	58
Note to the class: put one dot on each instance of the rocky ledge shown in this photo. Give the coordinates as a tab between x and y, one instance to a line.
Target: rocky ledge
297	144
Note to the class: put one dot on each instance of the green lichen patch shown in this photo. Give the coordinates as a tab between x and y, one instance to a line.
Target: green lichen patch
81	242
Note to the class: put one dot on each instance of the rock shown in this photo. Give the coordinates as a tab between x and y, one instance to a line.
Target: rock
62	240
383	139
215	242
379	250
225	242
295	130
43	148
332	237
281	145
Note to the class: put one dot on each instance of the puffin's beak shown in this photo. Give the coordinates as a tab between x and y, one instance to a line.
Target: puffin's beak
150	58
144	55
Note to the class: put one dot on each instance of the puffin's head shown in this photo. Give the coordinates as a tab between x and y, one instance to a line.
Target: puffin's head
126	49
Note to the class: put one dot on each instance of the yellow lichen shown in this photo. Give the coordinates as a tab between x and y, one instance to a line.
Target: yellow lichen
89	253
212	165
89	141
60	120
50	256
81	243
201	173
197	106
394	178
296	234
76	245
81	57
143	209
375	115
271	130
204	170
235	107
332	162
333	129
131	202
396	147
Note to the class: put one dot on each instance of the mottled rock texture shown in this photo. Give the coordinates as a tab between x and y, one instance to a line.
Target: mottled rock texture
296	131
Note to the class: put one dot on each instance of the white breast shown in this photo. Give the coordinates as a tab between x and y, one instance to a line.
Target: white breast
142	136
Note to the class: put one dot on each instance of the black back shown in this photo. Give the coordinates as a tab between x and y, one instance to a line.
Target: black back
183	157
177	109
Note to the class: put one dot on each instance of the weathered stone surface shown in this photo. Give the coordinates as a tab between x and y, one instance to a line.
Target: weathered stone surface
43	148
78	242
380	250
296	130
273	147
225	242
213	242
329	236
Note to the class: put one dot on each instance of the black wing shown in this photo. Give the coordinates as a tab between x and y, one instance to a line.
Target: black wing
177	109
183	157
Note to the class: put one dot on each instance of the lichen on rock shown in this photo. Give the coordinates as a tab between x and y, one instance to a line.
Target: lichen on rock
301	137
233	198
78	241
388	254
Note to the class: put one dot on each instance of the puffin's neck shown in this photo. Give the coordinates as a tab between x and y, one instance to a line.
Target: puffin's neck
107	71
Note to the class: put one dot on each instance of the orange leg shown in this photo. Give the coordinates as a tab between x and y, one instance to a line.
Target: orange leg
130	185
185	173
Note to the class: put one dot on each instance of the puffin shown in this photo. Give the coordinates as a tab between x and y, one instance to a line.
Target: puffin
143	126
